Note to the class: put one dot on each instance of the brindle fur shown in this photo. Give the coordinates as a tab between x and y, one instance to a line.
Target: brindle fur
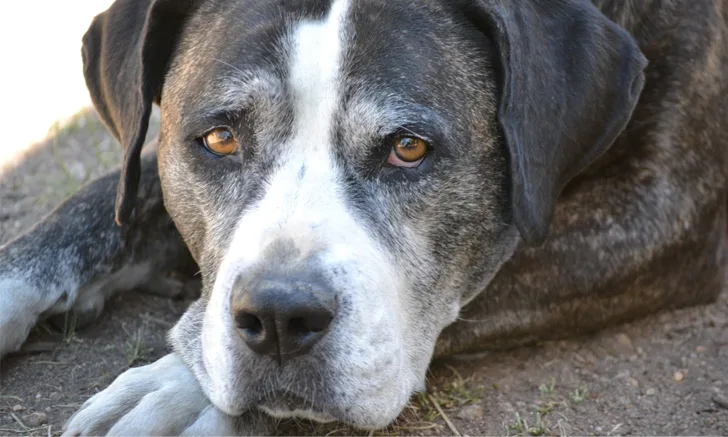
643	229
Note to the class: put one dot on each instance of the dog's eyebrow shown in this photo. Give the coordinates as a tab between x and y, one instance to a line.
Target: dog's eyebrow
417	115
241	88
384	116
234	92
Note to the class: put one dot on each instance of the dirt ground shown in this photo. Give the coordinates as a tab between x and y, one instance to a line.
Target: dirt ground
664	375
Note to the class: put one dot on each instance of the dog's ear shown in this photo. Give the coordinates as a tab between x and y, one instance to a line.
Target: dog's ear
126	51
569	80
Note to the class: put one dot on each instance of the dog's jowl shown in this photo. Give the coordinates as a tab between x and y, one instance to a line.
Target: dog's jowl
351	176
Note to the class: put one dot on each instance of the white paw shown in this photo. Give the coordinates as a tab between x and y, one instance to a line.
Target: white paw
19	309
163	398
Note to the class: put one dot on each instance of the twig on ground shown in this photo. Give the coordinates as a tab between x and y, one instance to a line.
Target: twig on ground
444	416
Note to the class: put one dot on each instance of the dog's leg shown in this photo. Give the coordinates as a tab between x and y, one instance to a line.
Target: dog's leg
618	249
76	257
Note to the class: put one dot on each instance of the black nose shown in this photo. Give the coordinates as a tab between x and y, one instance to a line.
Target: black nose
282	317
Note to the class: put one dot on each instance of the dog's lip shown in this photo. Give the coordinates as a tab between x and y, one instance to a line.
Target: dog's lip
286	404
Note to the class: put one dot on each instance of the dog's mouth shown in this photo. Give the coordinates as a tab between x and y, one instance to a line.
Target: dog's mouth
284	405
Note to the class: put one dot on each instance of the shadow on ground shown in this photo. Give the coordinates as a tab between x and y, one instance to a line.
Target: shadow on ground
663	375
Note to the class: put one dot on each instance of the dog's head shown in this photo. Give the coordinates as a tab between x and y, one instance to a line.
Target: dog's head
350	173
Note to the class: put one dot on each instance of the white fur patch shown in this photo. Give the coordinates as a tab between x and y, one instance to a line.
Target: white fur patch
314	76
20	306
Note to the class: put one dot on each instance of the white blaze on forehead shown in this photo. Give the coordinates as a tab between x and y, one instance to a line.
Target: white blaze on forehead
303	190
314	75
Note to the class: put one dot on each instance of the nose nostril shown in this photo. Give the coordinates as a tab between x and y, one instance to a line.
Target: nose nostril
319	322
297	325
249	323
311	324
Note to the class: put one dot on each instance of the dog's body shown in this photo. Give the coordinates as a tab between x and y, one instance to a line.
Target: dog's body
520	104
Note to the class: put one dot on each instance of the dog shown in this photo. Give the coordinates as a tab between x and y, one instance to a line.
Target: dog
364	185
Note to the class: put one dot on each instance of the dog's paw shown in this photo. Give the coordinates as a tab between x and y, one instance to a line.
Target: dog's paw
163	398
18	313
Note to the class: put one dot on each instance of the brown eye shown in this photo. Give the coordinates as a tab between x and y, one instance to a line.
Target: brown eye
408	152
220	141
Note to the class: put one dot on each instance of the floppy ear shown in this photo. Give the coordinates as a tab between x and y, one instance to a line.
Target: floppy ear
126	51
569	80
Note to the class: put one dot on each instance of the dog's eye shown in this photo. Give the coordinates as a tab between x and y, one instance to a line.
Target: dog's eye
407	152
220	141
